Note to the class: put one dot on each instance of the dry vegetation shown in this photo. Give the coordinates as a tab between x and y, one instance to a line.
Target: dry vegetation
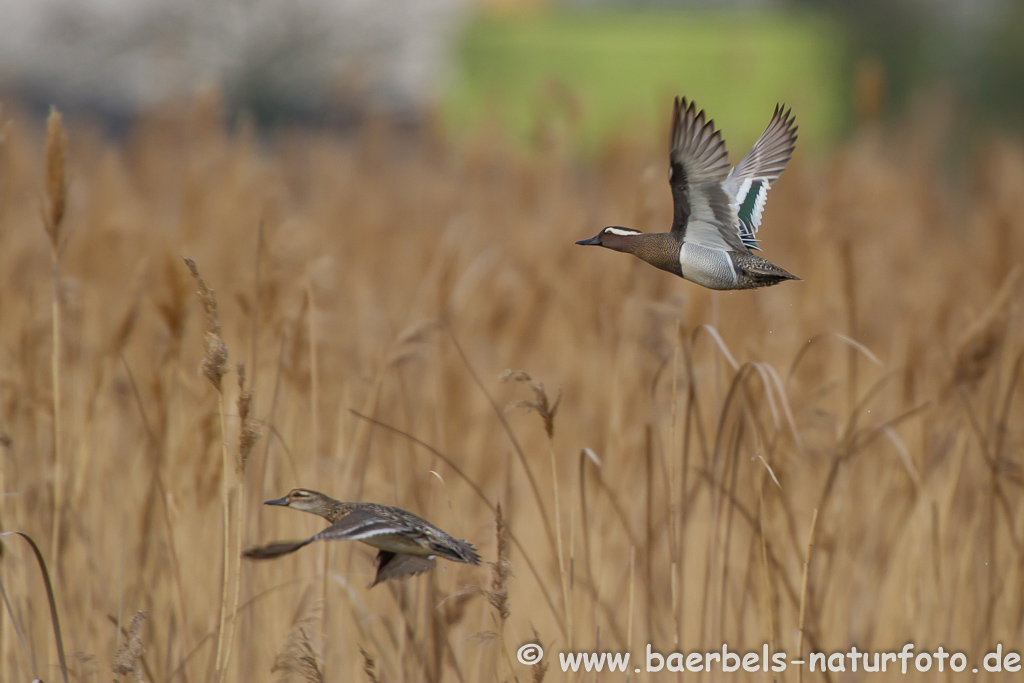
377	286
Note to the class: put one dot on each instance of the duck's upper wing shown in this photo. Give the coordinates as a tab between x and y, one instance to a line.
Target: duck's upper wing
748	183
362	523
698	166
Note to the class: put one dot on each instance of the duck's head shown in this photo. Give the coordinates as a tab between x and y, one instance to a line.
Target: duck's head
615	237
306	500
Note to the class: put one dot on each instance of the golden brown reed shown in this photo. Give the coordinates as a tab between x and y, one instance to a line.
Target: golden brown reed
131	649
299	659
369	666
398	274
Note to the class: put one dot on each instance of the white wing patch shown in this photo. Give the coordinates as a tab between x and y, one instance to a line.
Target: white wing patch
748	183
357	534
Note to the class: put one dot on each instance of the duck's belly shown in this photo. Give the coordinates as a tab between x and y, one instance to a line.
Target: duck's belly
396	543
711	268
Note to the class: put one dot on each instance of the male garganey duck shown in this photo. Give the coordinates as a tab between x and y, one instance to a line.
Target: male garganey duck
717	209
407	544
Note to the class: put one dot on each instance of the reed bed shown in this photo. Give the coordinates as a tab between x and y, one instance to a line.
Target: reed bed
821	464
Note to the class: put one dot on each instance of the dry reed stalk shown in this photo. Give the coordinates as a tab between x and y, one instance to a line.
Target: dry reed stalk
50	598
673	525
732	464
299	658
407	608
803	592
978	347
684	500
546	410
248	434
437	633
369	666
585	455
719	548
314	421
5	522
540	669
255	327
214	366
501	570
18	631
850	297
534	486
52	212
314	374
629	608
771	606
131	649
162	491
649	524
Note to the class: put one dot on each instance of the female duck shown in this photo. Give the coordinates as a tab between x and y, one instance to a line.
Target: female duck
406	543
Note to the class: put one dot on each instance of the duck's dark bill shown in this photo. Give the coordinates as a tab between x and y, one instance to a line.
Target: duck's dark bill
277	501
596	239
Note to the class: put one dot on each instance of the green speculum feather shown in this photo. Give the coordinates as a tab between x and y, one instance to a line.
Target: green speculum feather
746	211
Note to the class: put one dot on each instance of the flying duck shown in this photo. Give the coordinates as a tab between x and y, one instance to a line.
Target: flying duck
406	544
717	209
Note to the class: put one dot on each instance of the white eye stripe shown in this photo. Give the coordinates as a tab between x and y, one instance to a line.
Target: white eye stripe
622	231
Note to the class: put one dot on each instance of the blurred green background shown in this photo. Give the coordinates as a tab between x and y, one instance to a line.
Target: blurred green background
606	71
595	69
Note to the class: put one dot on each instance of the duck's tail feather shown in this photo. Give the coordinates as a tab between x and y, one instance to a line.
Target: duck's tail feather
457	551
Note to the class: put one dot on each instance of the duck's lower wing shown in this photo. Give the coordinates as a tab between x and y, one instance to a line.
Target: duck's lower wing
394	565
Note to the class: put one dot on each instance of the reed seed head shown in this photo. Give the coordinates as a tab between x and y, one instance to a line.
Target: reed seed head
56	178
249	429
540	669
979	346
299	659
369	666
540	403
215	361
501	569
131	649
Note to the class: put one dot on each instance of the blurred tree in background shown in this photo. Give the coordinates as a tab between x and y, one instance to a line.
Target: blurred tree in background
975	47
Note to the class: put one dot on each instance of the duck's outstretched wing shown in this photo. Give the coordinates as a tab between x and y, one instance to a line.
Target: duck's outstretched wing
356	525
698	165
749	182
276	549
360	524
